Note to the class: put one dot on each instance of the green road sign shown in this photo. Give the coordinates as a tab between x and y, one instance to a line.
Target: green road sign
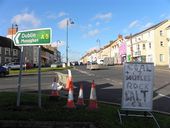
33	37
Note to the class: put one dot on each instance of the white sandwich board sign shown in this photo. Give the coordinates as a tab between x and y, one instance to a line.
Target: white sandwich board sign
137	86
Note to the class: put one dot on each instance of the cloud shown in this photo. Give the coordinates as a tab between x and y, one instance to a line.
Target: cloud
104	16
26	20
57	43
137	26
61	14
92	33
147	25
133	24
51	15
63	23
164	16
97	23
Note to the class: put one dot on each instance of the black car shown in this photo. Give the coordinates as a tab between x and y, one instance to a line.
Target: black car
3	71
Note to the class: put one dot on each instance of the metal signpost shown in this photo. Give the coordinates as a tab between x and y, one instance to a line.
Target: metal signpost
137	90
32	37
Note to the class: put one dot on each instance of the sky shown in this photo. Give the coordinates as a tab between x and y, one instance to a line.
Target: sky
96	22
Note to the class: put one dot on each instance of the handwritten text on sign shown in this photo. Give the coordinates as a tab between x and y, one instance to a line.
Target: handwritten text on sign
138	86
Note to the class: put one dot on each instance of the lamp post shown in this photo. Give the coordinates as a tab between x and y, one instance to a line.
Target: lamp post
69	21
14	26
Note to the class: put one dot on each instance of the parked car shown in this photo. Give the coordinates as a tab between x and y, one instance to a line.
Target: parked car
75	63
93	66
3	71
29	66
55	65
14	65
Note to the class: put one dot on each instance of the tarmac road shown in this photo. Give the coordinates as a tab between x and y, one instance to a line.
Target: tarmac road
108	84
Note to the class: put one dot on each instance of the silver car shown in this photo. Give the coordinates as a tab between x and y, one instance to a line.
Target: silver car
14	65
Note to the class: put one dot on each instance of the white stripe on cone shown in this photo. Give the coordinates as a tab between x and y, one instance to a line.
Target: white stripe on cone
70	95
69	73
81	93
93	94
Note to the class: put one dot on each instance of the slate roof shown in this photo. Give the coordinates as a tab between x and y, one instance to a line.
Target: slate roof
152	27
6	42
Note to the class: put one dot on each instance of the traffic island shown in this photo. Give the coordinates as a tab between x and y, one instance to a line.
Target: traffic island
44	124
53	114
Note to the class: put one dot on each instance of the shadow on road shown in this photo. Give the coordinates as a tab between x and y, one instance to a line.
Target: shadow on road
106	92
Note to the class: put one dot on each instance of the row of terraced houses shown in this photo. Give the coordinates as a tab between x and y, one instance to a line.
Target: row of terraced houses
149	45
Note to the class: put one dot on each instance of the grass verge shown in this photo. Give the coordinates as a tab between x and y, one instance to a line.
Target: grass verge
35	70
105	117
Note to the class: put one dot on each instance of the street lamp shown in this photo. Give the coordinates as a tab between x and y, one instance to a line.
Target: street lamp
69	21
14	26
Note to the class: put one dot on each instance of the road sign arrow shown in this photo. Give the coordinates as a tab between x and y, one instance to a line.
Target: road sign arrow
16	39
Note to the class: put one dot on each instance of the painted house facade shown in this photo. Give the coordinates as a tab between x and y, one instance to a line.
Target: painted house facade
150	45
122	51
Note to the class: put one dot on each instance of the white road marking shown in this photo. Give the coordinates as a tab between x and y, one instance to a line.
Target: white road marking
84	72
114	81
110	87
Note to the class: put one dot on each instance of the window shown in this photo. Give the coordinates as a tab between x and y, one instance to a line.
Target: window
149	44
161	57
7	59
150	59
143	46
0	50
161	43
15	52
138	47
148	34
161	33
7	51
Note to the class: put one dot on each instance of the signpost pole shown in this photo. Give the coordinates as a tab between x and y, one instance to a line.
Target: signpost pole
34	37
39	77
19	79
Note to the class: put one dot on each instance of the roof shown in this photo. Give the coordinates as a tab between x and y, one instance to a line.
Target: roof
6	42
47	50
152	27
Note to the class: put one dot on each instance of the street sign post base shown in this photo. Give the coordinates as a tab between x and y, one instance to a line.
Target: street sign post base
127	113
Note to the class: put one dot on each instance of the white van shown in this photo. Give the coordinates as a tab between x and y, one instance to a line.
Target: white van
100	61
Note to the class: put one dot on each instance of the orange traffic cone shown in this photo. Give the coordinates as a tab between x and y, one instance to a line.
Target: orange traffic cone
80	101
69	79
93	99
54	91
70	101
